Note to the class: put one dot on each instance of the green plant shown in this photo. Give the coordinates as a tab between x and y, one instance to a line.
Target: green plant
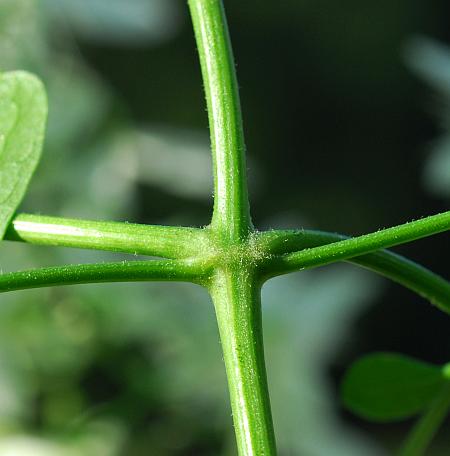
229	257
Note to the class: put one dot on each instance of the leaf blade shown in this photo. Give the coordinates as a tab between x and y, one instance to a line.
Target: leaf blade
23	114
390	387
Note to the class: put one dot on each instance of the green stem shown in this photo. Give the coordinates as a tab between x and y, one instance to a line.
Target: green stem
124	271
427	426
231	214
348	248
233	287
236	296
162	241
395	267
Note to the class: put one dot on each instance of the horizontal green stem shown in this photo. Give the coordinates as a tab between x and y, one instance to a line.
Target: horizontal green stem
427	426
162	241
351	247
395	267
124	271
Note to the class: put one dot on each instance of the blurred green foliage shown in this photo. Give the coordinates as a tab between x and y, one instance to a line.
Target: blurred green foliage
390	386
136	369
431	61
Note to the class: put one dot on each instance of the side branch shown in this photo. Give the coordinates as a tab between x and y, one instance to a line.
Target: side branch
162	241
351	247
124	271
318	248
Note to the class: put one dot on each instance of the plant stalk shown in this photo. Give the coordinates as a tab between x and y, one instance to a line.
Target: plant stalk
351	247
123	271
153	240
395	267
234	288
231	214
428	425
236	296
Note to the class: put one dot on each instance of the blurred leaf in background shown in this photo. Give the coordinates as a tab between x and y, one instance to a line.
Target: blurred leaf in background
176	160
22	42
307	317
115	21
390	386
430	60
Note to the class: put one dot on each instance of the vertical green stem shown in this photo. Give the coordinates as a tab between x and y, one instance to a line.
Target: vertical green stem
236	297
233	287
427	426
231	216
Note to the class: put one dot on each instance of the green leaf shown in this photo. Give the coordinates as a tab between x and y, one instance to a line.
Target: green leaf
389	386
23	113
